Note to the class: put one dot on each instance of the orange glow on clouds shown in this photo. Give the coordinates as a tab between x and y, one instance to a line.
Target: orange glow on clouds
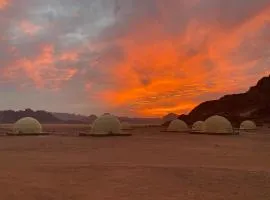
69	56
159	70
42	69
3	4
159	76
29	28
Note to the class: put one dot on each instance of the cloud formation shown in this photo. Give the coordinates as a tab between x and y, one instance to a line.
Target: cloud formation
135	57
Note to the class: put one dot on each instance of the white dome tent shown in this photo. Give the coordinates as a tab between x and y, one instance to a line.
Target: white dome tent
177	125
197	126
107	125
217	125
27	125
248	125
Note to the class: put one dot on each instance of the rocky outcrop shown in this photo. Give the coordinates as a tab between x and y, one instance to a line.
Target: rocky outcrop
253	104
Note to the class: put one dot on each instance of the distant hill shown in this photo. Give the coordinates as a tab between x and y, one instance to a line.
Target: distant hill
253	104
74	118
11	116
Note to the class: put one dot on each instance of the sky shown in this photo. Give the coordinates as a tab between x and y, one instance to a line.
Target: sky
129	57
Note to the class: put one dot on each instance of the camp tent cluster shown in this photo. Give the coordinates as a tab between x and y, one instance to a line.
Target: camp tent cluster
213	125
108	124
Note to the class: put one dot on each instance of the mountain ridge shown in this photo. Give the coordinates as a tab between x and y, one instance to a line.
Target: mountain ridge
253	104
45	117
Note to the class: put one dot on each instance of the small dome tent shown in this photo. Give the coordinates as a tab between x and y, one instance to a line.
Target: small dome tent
27	125
248	125
197	126
177	125
217	125
126	126
106	124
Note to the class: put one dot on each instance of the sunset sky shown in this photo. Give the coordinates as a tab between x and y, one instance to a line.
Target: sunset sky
129	57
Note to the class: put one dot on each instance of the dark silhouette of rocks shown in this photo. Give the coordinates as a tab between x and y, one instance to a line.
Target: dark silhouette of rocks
253	104
44	117
11	116
71	118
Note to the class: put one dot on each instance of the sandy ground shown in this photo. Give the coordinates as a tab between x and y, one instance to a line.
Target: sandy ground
148	165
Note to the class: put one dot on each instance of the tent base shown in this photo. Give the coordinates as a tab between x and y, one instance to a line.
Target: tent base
174	131
27	134
209	133
196	132
105	135
248	130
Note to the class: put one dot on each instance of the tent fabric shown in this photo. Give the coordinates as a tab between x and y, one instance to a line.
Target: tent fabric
27	125
177	125
247	125
218	124
106	124
197	126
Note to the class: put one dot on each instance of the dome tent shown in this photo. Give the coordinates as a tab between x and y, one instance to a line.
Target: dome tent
197	126
106	125
177	125
247	125
27	125
217	125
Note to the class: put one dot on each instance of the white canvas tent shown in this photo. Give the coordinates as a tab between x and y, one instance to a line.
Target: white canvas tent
106	124
177	125
27	125
197	126
248	125
218	125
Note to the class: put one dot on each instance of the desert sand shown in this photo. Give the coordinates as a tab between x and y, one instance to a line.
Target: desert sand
148	165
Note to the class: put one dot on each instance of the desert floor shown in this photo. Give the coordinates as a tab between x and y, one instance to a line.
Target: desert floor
150	165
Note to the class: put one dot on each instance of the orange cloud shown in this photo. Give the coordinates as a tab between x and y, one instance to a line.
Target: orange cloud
163	73
42	69
3	4
29	28
69	56
159	111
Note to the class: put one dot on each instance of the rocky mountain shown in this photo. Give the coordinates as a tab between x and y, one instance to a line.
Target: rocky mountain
253	104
